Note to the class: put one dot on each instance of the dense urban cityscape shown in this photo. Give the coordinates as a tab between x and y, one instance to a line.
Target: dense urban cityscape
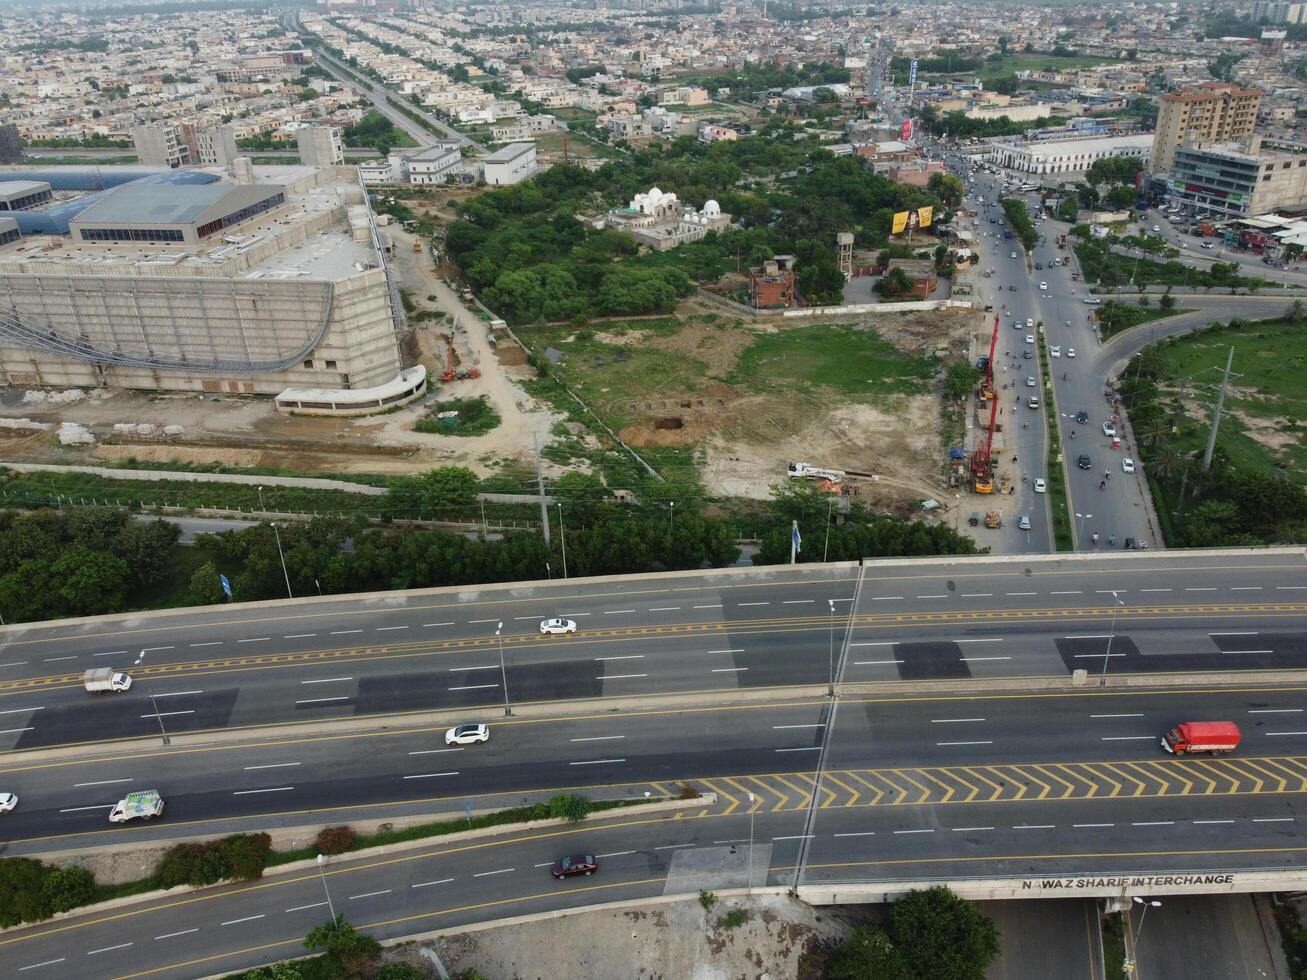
493	490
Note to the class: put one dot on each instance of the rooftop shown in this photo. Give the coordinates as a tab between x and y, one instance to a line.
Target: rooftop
14	188
171	204
509	153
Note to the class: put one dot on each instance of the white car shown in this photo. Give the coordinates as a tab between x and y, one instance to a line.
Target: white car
1043	285
1208	245
1030	338
550	626
1013	255
8	801
1070	352
1109	429
1032	402
467	734
1030	321
1127	465
1040	485
1157	228
1030	382
1055	351
1092	301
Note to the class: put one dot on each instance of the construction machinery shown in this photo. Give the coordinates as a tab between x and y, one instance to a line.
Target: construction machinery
982	459
993	519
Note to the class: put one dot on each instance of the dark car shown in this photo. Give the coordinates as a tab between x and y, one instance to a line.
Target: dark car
576	864
1084	462
1082	417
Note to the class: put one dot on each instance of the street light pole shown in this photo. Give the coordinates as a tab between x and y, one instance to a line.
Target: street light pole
260	489
503	671
159	718
671	516
1081	527
282	555
322	860
562	538
830	660
748	884
1111	634
1129	965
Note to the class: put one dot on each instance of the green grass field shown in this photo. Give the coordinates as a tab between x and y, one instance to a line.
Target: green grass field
1266	395
853	361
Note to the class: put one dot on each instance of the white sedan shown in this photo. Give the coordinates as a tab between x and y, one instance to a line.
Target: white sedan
1043	285
1127	465
467	734
1030	338
550	626
1109	429
1055	351
8	801
1040	485
1070	352
1030	382
1030	321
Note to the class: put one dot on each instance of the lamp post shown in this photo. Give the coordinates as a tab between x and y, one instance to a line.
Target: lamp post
825	548
503	671
748	883
322	861
260	489
671	516
1111	634
562	538
1129	965
159	718
1080	528
282	555
830	660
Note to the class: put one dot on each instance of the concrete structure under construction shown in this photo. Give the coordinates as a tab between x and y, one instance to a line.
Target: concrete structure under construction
255	287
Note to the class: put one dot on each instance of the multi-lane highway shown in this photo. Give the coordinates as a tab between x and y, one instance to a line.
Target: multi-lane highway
959	746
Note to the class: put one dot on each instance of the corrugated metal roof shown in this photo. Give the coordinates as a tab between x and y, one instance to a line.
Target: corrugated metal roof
148	203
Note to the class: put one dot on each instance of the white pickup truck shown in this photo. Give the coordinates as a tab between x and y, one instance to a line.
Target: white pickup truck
100	679
145	804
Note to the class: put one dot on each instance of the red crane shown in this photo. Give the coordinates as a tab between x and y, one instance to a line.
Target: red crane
982	459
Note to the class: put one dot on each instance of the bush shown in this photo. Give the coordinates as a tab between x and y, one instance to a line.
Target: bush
177	864
22	898
570	807
67	888
335	840
733	919
352	953
707	899
245	855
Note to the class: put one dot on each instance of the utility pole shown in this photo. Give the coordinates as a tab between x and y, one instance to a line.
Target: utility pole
540	484
1216	418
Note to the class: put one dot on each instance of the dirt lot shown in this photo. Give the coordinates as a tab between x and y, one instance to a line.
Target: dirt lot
706	384
677	940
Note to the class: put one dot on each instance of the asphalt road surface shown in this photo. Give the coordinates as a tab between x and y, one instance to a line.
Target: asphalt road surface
330	659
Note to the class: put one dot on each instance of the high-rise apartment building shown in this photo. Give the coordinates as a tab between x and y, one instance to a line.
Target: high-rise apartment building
1280	13
1213	112
11	144
161	144
215	146
320	146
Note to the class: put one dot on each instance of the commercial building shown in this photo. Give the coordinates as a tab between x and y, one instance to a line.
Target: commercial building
1213	112
161	144
432	164
320	146
192	281
1241	179
11	144
510	164
1073	155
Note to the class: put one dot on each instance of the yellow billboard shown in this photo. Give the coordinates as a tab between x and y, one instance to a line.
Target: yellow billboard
920	218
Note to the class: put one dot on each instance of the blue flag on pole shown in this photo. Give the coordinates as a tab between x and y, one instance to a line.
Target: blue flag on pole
795	538
226	585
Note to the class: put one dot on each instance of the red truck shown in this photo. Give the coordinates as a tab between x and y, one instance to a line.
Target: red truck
1215	737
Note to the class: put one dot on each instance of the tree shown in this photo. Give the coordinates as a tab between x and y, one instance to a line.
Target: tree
206	586
22	897
947	187
1068	209
145	547
1296	312
943	937
819	277
959	379
351	952
1166	301
448	490
1122	197
91	581
893	283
